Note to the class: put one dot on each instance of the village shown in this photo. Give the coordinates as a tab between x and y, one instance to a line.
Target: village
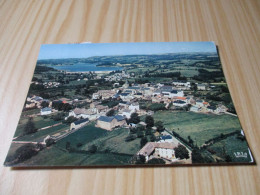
127	97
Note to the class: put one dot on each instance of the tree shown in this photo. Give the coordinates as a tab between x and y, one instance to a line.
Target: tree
92	149
143	141
228	158
140	159
156	161
181	152
157	106
68	146
134	118
152	138
25	152
110	112
149	121
30	127
58	117
49	142
140	134
70	119
159	126
196	156
148	132
45	104
190	141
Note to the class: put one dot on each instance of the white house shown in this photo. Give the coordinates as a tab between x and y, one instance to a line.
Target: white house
164	150
166	139
180	83
126	113
45	111
194	109
79	123
126	96
82	113
176	93
179	103
96	96
202	86
134	107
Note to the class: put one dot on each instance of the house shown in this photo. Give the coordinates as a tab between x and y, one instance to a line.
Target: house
221	109
126	113
45	111
78	124
156	149
134	107
126	96
202	86
30	104
108	123
179	103
206	104
194	109
100	108
157	92
132	125
138	95
176	93
211	108
124	104
166	88
96	96
180	83
166	139
94	104
199	103
80	113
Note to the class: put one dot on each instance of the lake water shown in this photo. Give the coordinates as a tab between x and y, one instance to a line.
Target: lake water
81	67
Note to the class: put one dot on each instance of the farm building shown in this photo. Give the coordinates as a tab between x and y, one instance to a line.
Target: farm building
109	123
164	150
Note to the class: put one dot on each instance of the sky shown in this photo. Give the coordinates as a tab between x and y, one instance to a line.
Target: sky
84	50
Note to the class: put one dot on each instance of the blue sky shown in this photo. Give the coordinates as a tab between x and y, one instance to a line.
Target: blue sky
58	51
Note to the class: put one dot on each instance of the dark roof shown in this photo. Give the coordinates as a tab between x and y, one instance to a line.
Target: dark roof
124	94
211	107
179	102
81	121
106	118
46	109
134	87
166	137
110	118
119	117
174	91
116	95
165	87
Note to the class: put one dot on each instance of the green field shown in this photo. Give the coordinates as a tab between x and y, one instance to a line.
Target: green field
112	149
115	142
84	135
39	122
200	127
231	145
40	135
